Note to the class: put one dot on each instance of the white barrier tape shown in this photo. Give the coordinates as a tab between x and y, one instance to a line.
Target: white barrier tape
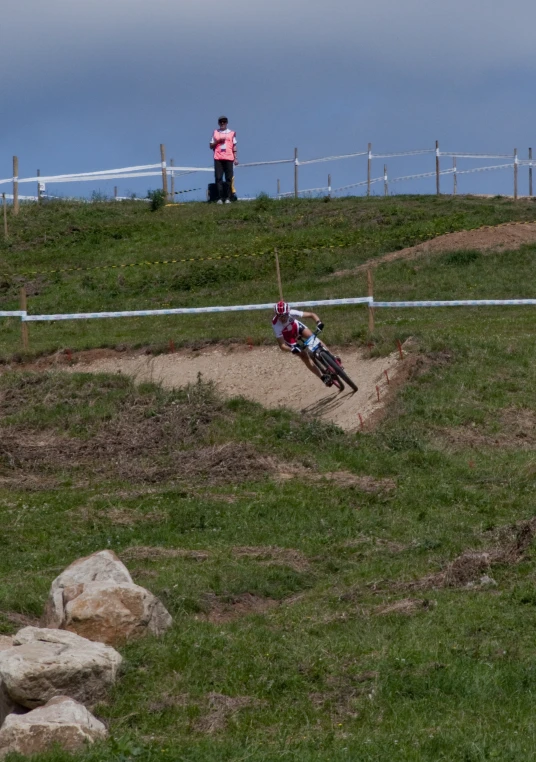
14	313
483	169
356	185
477	155
184	310
413	177
307	190
106	174
263	163
459	303
402	153
334	158
21	198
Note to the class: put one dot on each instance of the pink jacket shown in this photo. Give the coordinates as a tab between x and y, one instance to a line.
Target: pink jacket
224	151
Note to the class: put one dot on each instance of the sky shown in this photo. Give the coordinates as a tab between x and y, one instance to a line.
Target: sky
96	85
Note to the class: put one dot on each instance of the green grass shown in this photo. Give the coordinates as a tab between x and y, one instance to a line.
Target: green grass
313	238
322	675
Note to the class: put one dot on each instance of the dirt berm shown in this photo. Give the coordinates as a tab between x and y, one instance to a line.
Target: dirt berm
265	375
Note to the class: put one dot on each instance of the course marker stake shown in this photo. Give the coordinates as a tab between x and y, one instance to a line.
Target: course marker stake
171	346
400	352
387	376
378	392
360	420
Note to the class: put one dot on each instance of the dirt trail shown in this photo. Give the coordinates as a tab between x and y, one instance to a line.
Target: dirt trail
264	375
506	237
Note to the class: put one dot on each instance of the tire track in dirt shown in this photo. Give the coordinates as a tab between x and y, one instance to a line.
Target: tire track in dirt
265	375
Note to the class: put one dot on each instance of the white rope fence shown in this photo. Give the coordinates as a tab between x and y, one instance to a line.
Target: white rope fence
162	169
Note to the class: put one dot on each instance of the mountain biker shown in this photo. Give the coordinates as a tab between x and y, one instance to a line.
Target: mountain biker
288	329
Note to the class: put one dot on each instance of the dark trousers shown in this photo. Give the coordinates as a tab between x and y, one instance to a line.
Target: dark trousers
224	167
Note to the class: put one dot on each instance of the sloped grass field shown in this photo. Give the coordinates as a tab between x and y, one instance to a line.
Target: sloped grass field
335	597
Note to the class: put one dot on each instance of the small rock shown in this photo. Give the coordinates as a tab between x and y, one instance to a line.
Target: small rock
46	663
61	721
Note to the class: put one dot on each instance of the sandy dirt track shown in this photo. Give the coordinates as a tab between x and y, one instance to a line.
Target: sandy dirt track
506	237
265	375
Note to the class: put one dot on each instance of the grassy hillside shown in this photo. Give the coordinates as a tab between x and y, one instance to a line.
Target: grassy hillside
366	597
313	238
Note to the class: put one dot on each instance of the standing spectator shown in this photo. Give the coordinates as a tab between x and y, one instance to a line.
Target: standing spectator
223	143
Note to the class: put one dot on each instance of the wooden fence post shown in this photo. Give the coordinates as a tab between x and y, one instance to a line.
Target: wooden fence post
296	163
24	307
164	170
369	167
38	187
455	176
172	164
115	191
4	204
530	172
515	174
385	181
15	185
329	186
370	309
278	187
278	271
437	168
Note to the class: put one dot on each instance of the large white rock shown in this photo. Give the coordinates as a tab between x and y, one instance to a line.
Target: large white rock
96	598
61	721
103	566
113	614
7	705
43	664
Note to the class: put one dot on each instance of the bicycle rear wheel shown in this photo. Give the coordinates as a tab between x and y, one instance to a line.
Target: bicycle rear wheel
332	363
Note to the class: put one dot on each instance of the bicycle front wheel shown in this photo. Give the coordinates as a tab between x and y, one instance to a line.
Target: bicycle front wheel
334	366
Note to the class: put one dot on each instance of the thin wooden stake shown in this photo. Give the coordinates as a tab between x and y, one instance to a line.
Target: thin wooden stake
296	164
400	352
172	164
164	170
437	168
278	187
278	271
455	189
378	392
370	309
38	187
4	204
329	186
115	191
515	174
15	185
24	307
385	182
530	172
386	376
369	168
360	420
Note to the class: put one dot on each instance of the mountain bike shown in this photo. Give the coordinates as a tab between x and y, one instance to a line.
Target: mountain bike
325	361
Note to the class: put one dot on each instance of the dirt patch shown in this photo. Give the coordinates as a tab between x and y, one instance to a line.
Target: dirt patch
406	606
221	710
517	431
507	237
265	375
168	702
290	557
127	517
471	568
340	478
223	609
147	553
20	620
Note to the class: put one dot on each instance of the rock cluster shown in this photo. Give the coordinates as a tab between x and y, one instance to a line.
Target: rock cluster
50	674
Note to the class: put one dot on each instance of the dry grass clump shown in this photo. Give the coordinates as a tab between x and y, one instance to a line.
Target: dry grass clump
470	566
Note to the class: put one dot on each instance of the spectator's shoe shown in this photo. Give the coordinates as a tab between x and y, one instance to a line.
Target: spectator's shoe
219	201
227	200
327	379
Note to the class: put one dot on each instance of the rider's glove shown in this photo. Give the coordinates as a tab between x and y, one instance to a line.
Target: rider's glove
320	325
295	350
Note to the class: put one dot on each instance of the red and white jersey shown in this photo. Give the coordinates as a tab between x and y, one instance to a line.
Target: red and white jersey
290	330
